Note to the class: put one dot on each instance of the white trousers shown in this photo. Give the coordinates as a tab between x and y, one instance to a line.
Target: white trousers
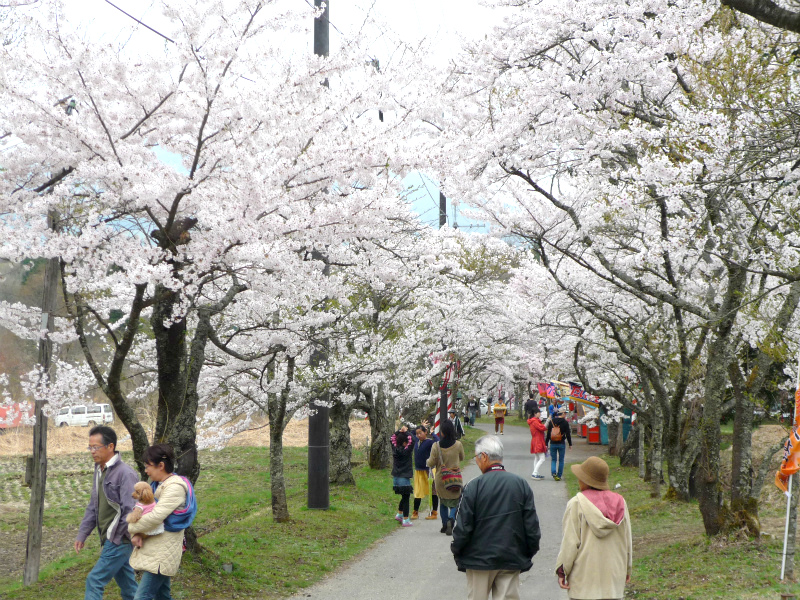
538	461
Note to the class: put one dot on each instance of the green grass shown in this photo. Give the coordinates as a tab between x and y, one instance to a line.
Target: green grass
673	559
270	560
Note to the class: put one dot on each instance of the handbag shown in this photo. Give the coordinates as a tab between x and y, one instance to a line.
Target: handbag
452	479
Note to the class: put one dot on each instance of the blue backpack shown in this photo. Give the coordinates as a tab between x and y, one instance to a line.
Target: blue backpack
181	518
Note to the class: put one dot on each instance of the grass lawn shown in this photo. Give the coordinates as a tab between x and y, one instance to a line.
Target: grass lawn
270	560
673	559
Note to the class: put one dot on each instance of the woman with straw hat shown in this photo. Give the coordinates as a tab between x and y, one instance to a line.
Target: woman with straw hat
596	553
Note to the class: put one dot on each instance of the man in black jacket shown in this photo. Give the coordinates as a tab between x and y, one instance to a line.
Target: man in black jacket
496	531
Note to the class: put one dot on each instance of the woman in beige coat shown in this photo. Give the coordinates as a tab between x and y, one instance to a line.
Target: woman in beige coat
596	553
159	556
447	452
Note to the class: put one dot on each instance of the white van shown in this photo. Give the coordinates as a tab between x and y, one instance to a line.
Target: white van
85	415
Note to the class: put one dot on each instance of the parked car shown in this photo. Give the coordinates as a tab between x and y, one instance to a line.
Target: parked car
85	415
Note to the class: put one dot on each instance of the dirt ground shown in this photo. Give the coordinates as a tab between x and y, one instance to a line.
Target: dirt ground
72	440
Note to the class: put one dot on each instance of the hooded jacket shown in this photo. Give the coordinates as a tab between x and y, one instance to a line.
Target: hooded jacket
596	545
538	445
496	524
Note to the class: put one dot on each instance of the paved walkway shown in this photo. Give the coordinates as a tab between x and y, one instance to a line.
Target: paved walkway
415	563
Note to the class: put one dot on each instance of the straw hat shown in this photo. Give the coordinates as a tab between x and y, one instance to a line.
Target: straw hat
593	472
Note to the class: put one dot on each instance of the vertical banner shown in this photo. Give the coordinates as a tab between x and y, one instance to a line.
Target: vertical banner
791	451
789	466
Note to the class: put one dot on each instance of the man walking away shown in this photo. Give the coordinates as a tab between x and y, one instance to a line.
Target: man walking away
472	408
531	408
596	554
558	436
496	531
453	416
499	410
110	502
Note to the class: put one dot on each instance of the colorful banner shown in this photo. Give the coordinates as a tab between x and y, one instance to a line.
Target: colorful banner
551	390
589	400
791	450
576	392
542	387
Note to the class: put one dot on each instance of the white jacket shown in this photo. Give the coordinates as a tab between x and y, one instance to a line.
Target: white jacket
596	552
161	553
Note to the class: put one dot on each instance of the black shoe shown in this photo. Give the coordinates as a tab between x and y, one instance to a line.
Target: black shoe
449	529
443	529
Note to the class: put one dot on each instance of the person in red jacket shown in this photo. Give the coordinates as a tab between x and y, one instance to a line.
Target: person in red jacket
538	446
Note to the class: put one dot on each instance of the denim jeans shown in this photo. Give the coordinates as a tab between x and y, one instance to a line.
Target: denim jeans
446	513
112	564
557	458
153	587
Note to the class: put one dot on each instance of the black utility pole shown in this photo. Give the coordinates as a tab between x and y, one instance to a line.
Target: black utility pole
443	391
319	421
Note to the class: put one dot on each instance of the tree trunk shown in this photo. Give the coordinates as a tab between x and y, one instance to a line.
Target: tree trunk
341	472
278	419
613	429
648	455
742	458
177	408
718	360
640	428
657	453
179	369
629	451
381	420
277	483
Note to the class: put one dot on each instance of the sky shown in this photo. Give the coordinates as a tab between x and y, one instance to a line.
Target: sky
442	24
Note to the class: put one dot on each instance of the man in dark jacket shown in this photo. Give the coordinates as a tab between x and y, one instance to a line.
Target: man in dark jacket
110	502
496	531
531	408
473	410
453	416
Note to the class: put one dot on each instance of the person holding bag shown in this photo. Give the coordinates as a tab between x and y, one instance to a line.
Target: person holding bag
159	556
446	457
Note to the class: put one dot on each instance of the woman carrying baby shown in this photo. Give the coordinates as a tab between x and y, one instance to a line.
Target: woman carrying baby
158	556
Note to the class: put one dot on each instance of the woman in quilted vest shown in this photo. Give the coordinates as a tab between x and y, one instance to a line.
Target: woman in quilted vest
447	453
158	556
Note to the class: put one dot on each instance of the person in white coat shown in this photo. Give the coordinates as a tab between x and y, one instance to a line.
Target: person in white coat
596	554
158	557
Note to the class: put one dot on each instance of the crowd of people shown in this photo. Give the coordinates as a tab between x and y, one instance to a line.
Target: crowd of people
492	519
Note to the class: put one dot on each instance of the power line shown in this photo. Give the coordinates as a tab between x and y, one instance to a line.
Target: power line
139	22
